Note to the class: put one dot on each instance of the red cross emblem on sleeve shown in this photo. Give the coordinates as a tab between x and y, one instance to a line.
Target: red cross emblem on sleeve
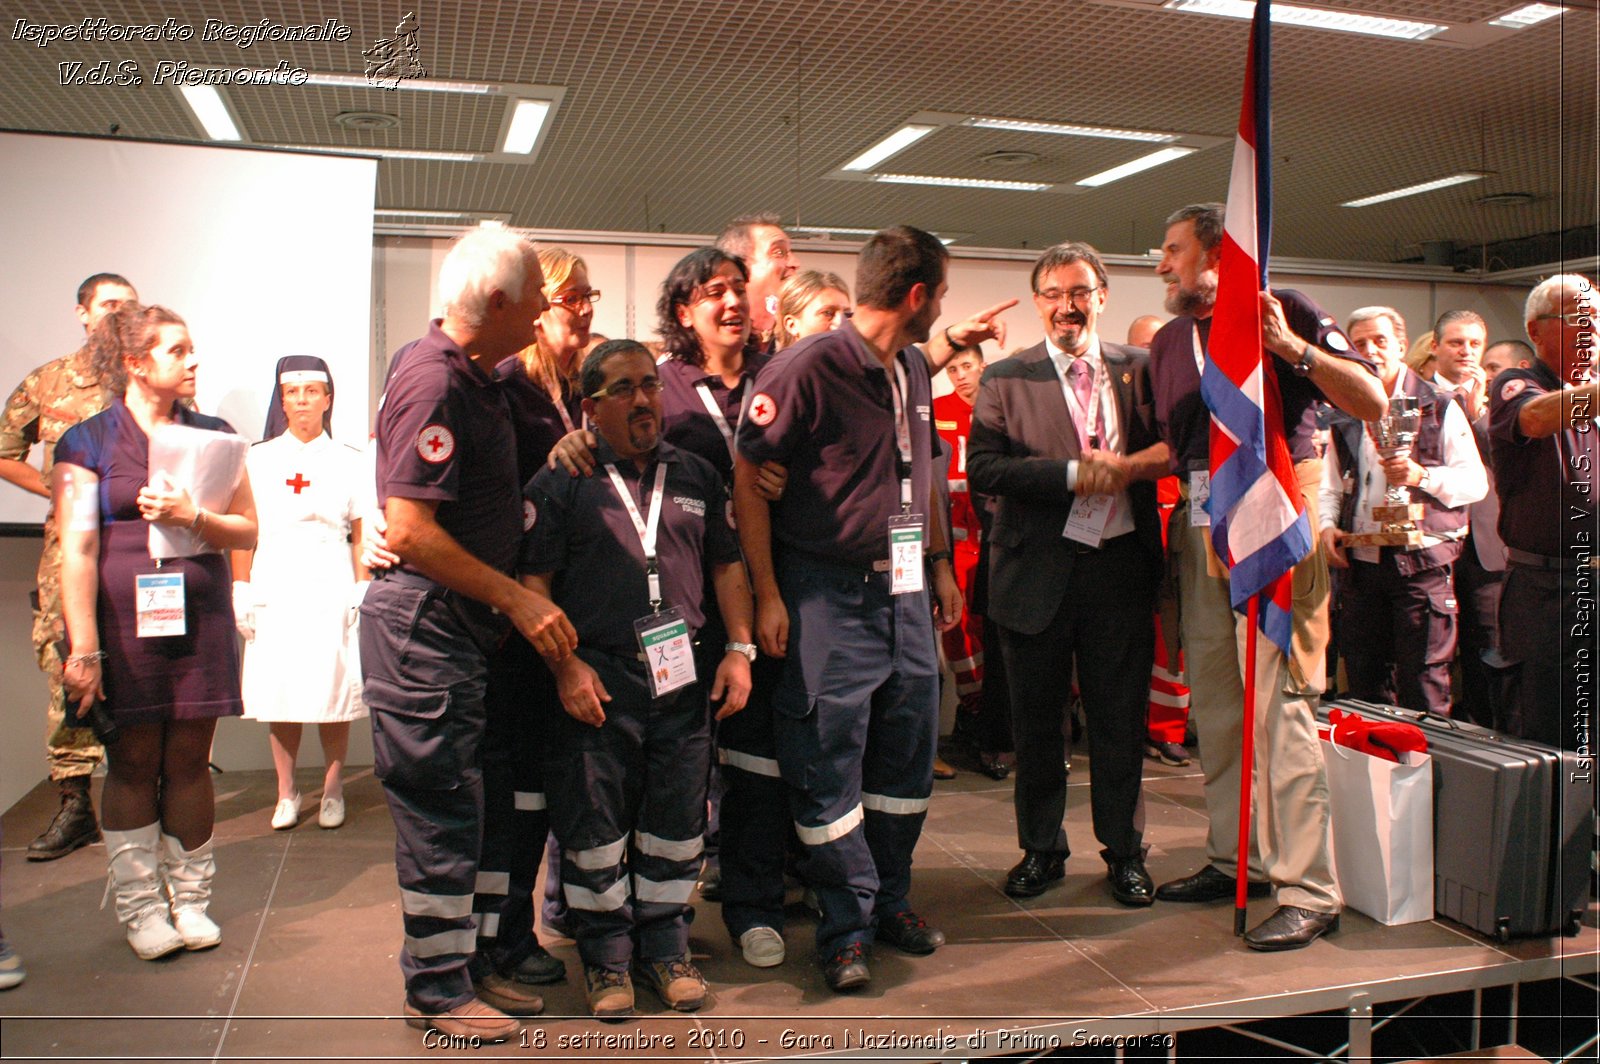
763	409
435	444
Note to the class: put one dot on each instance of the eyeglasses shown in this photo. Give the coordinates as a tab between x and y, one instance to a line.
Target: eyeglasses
626	389
715	293
1078	296
1577	319
576	300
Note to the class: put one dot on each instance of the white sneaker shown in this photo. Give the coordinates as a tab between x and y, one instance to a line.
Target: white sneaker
332	814
763	947
287	814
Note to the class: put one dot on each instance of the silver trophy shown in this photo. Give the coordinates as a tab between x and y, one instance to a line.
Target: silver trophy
1393	434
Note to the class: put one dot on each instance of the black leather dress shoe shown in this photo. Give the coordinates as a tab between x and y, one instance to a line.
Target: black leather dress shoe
1290	928
846	969
1036	871
1130	883
1208	884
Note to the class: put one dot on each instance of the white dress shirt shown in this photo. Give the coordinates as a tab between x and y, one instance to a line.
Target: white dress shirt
1121	519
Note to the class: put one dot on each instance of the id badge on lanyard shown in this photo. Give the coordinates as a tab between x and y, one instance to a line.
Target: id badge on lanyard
1199	479
1086	523
159	606
663	635
906	528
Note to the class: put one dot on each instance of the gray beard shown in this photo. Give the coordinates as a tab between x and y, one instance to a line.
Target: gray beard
1192	301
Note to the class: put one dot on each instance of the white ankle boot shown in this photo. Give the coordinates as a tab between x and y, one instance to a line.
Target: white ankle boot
188	877
141	905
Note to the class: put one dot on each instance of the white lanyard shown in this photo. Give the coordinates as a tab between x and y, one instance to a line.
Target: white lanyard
717	416
566	418
902	429
1199	352
1088	420
647	532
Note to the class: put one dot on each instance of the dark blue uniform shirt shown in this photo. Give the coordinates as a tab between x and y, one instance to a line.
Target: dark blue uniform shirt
685	422
823	408
579	530
535	418
1545	485
444	435
1181	414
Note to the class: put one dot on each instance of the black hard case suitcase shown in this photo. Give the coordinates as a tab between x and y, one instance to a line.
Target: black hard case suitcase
1512	825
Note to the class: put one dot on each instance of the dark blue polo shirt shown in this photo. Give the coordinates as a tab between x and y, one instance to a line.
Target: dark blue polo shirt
824	409
579	530
1181	414
534	417
444	435
685	422
1543	483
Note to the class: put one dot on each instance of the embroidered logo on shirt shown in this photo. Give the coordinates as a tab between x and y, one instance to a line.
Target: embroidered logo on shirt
691	505
1512	389
435	444
530	514
763	409
1336	341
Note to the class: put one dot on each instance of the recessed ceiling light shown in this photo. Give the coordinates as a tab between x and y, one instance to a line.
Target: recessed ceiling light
1144	162
526	121
1313	18
893	144
1412	190
1021	125
1529	15
1009	158
209	110
388	153
960	182
356	81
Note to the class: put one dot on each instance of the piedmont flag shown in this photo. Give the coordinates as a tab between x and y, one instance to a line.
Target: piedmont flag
1258	522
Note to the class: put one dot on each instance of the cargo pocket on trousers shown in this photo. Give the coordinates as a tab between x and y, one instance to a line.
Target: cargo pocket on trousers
413	740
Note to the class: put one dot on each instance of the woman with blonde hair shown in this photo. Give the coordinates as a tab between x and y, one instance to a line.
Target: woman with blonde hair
811	301
1420	357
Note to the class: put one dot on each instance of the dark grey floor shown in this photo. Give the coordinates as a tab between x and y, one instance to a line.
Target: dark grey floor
311	925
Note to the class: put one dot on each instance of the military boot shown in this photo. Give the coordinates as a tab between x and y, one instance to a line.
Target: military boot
73	826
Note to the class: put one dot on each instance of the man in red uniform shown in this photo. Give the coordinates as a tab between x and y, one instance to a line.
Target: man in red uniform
963	644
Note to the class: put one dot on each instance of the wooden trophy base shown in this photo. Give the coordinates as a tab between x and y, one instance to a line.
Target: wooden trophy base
1401	514
1404	537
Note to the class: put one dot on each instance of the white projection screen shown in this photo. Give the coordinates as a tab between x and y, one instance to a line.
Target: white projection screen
264	253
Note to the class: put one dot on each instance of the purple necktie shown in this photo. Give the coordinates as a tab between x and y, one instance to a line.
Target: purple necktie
1078	375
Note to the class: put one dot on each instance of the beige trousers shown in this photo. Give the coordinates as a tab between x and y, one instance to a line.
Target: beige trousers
1289	815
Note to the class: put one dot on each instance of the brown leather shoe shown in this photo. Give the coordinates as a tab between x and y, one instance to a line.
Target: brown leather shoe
1290	927
472	1020
942	769
508	995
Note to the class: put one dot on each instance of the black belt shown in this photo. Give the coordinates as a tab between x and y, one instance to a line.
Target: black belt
1545	561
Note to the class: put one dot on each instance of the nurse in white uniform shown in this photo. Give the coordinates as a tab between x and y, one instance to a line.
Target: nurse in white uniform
295	595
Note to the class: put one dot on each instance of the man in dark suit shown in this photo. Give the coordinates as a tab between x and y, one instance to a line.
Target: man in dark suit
1064	434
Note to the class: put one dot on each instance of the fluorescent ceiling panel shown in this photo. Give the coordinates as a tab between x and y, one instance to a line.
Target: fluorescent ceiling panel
1529	15
1313	18
206	103
389	153
893	144
1021	125
526	121
1144	162
960	182
1412	190
356	81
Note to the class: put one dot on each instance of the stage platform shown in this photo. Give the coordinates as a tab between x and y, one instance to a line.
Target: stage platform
311	925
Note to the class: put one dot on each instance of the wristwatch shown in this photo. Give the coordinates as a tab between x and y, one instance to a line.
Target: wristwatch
747	649
1308	361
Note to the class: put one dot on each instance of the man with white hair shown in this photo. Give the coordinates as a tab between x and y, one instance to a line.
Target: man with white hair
1543	440
447	482
1398	603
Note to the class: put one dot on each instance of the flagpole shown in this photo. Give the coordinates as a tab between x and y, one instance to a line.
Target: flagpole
1247	764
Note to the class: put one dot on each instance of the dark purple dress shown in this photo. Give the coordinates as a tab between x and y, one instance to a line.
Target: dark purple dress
147	681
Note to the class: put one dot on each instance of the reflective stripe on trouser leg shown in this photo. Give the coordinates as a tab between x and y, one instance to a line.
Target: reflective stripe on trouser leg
897	775
518	698
755	810
668	839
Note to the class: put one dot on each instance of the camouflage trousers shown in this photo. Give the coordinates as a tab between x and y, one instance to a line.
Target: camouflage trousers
72	751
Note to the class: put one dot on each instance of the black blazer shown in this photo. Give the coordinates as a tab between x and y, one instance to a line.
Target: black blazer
1022	438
